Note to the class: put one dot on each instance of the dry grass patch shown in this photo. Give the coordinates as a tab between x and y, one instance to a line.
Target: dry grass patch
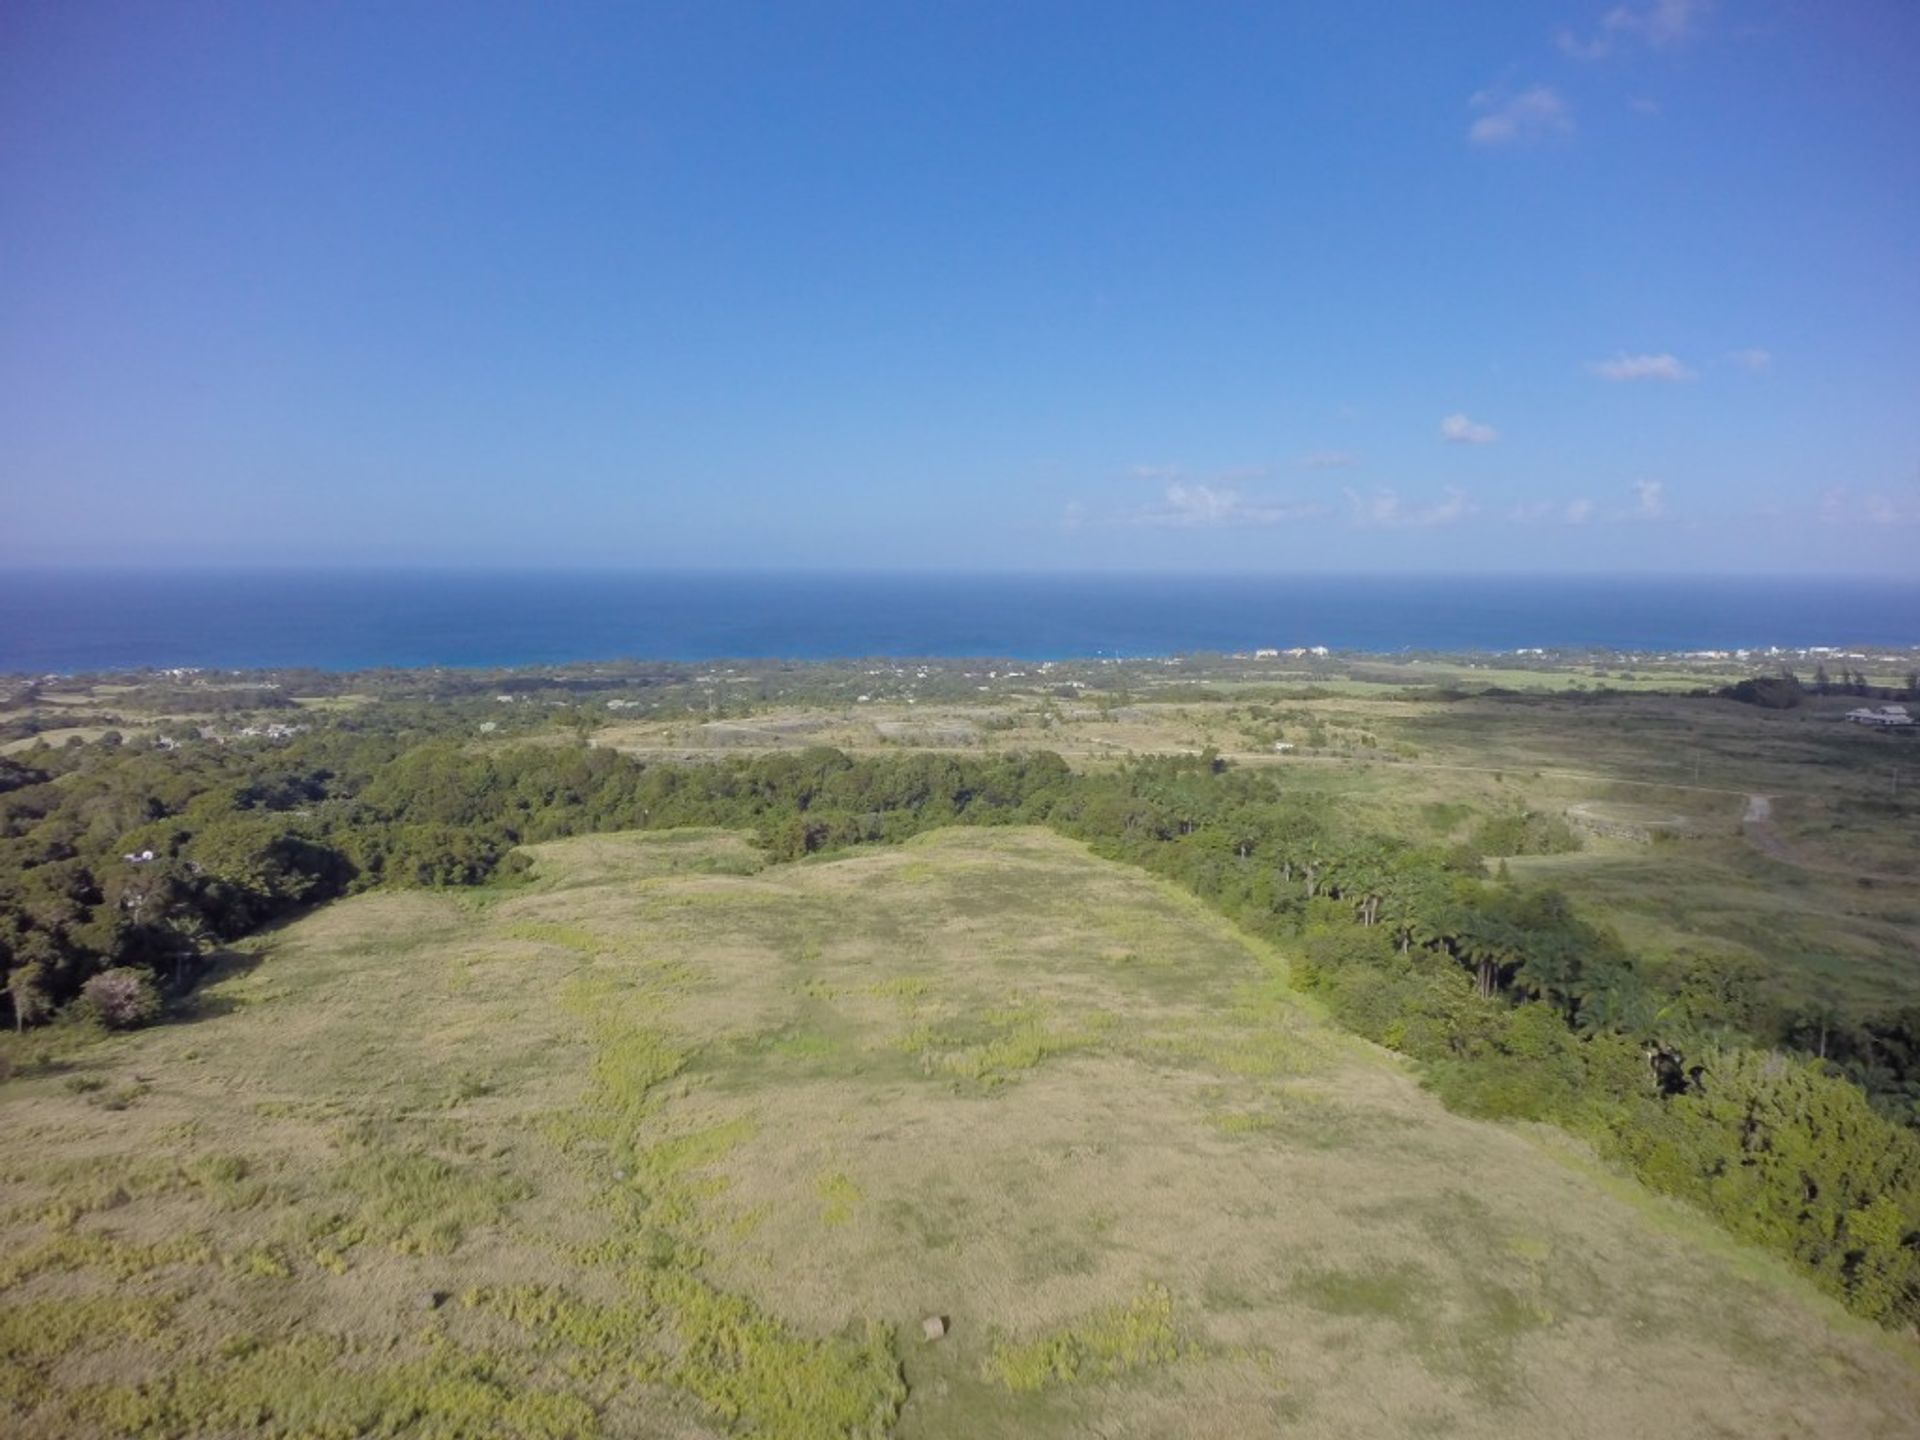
671	1143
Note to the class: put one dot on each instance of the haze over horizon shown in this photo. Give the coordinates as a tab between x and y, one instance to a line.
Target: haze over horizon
1576	287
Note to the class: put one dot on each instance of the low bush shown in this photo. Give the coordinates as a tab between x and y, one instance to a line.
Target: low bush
121	999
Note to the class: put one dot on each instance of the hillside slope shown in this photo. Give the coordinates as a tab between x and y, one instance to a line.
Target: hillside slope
670	1144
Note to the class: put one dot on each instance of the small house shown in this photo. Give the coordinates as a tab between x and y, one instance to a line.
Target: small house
1886	717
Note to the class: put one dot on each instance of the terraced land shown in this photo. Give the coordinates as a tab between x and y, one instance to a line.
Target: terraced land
669	1143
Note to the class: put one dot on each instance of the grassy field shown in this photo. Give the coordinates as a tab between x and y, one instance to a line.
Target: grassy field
1825	896
666	1143
1822	898
1825	892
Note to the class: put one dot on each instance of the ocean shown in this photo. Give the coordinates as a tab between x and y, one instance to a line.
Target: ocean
348	620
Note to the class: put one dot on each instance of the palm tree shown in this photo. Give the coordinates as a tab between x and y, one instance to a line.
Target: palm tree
1551	970
1312	861
1490	947
1414	904
1363	880
1619	1003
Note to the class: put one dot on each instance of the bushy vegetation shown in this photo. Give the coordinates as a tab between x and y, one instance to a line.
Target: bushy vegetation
1517	1006
1524	832
121	999
1770	692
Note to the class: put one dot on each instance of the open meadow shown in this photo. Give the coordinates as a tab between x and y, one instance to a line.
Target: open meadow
1817	887
666	1142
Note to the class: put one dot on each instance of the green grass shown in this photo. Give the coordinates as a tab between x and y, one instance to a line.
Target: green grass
840	1199
997	1047
1399	1290
314	1386
103	1253
36	1336
406	1197
1109	1342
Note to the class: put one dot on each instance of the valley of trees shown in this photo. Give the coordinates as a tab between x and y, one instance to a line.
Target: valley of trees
1794	1131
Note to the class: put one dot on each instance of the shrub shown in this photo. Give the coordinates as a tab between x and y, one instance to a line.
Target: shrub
1524	832
1770	692
122	999
1797	1160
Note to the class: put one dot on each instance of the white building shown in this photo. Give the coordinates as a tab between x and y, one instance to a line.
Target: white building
1886	717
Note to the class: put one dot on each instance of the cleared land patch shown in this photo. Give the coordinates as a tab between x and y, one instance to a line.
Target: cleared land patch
668	1143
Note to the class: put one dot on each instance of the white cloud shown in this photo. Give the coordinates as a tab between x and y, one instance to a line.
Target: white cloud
1459	430
1190	505
1839	506
1330	460
1453	508
1534	114
1642	367
1199	504
1891	510
1658	23
1649	503
1663	22
1384	510
1598	48
1752	359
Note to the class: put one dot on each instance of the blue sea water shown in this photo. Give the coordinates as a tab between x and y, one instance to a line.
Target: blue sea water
73	621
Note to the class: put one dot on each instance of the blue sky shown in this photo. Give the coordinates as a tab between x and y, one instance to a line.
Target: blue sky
1356	286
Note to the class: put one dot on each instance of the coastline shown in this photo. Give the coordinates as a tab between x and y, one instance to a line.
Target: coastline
350	621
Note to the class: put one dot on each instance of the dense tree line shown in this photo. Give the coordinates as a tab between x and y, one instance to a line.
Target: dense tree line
1855	682
126	859
1784	691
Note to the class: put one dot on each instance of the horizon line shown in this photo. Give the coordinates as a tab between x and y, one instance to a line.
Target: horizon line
1558	575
